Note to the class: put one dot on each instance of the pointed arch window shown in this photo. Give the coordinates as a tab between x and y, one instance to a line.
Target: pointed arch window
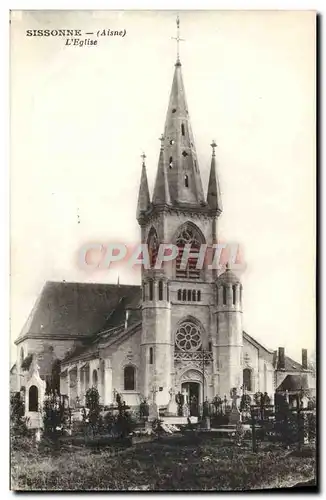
129	378
184	295
153	246
198	296
186	178
182	129
160	290
171	162
189	295
224	295
247	379
192	238
94	378
234	293
151	356
194	295
179	294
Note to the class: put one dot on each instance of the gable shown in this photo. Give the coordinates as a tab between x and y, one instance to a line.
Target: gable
262	351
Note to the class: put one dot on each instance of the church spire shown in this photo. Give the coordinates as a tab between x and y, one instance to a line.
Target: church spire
214	199
178	152
143	197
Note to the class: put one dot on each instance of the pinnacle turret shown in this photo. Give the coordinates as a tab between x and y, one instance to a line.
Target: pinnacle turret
214	199
143	196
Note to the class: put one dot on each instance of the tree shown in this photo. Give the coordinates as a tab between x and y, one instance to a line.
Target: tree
18	421
56	418
92	402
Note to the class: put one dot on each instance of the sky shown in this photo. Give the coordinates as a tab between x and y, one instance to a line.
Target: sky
82	116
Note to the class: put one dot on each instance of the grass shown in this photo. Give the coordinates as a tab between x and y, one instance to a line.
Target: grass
173	463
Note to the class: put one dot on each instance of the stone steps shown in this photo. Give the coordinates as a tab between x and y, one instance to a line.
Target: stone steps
179	420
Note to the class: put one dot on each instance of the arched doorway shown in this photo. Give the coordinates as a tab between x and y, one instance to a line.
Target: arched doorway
191	385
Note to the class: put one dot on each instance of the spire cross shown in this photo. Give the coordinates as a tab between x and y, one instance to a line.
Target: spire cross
143	156
213	145
178	39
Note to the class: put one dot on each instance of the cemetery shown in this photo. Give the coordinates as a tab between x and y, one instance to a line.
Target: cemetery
236	442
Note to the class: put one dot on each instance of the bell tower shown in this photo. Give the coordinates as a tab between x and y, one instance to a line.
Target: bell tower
179	298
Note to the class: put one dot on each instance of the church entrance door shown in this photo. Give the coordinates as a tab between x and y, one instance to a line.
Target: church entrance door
191	392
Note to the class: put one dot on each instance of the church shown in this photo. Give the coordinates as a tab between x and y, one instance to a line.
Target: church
181	329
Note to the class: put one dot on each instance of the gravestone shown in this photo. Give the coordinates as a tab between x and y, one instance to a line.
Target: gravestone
235	413
172	408
153	411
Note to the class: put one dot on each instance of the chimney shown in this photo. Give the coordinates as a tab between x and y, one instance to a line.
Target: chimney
305	359
281	358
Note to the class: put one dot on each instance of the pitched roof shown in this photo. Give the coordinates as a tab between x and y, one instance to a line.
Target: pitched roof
293	383
292	366
78	310
254	342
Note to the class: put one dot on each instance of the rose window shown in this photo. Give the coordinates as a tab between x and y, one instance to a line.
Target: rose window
188	337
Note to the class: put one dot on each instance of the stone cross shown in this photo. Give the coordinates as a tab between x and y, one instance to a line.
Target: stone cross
213	145
234	397
177	38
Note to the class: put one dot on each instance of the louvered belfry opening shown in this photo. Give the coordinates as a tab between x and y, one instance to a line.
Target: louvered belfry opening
188	236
